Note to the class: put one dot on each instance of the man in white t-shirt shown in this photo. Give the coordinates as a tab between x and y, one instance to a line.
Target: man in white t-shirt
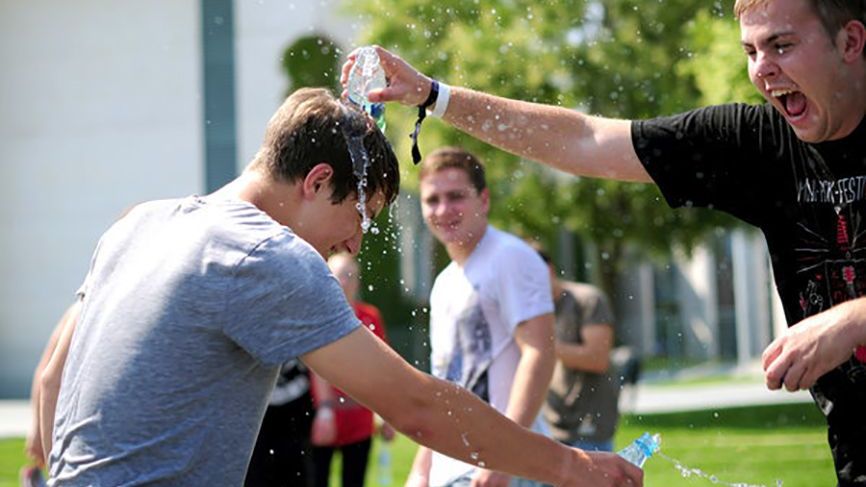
491	311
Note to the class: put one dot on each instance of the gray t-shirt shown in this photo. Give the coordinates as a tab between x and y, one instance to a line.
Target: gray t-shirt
581	405
189	308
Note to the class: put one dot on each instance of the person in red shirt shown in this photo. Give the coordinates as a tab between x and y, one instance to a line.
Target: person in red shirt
341	423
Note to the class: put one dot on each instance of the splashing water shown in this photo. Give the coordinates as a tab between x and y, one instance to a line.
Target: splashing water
687	472
360	163
366	75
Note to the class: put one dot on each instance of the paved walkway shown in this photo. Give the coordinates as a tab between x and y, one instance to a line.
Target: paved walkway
649	399
14	418
645	398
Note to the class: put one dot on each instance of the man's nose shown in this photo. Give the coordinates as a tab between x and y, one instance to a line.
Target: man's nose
353	244
764	66
442	208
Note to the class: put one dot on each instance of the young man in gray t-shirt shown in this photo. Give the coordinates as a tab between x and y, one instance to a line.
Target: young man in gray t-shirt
191	305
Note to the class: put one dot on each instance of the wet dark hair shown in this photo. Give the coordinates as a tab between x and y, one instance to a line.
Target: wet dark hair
456	157
312	127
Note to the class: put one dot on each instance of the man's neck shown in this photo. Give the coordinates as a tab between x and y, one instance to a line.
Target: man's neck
274	198
460	252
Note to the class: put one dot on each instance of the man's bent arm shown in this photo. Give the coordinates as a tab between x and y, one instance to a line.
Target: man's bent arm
34	437
593	355
49	382
814	346
452	420
534	370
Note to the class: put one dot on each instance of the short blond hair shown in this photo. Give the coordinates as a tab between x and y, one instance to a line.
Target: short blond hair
834	14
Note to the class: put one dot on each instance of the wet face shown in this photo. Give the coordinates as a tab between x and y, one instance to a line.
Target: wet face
798	68
334	228
454	211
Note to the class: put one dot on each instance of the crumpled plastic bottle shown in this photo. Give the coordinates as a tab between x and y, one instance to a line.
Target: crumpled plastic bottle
367	75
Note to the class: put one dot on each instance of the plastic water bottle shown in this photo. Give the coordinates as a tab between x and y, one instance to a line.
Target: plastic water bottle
367	75
383	464
641	449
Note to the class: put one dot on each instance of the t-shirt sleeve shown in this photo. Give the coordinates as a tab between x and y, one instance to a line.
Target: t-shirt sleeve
709	157
284	302
523	285
597	309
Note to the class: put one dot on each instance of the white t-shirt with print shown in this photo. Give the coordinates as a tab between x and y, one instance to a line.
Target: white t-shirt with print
474	313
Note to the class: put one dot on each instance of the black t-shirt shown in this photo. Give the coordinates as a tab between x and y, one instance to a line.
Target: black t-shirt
810	202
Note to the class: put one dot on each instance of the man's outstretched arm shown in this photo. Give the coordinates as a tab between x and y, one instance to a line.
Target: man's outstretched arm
450	419
565	139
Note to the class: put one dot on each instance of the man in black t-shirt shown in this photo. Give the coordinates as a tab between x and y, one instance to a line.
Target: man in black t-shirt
795	167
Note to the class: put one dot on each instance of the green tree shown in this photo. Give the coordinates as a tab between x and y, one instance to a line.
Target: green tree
312	60
619	58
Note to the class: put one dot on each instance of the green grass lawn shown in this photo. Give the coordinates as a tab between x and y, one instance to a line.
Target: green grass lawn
754	445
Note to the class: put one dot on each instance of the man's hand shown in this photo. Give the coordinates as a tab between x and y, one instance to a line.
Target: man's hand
324	427
813	347
604	469
33	449
405	84
386	431
489	478
415	480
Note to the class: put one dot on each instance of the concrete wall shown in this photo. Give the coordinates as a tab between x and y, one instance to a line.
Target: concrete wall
100	108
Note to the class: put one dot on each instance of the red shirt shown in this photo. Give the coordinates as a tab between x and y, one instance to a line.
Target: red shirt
354	421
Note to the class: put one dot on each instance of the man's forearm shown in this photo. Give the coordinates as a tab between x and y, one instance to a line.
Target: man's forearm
565	139
530	385
463	427
49	382
419	475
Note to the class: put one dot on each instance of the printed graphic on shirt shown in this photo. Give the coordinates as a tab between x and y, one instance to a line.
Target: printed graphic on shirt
841	192
833	261
832	258
472	354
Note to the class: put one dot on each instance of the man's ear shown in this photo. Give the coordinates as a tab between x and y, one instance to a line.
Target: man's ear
485	200
854	39
319	178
